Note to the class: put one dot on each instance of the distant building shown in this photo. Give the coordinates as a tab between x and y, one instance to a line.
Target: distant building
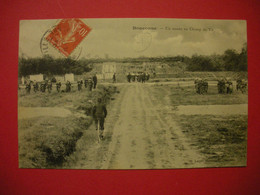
108	69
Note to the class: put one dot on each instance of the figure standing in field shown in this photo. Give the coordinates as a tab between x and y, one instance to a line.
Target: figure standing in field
133	77
221	86
79	85
43	87
239	82
49	86
90	84
99	115
86	83
58	86
114	78
243	86
229	87
143	77
35	86
205	85
94	81
68	86
147	76
129	77
28	87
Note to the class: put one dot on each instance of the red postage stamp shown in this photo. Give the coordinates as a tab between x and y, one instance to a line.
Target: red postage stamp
68	34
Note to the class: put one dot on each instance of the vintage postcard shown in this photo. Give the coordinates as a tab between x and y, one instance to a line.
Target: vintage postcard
132	93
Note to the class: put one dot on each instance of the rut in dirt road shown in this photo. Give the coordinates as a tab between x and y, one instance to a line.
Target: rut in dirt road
145	136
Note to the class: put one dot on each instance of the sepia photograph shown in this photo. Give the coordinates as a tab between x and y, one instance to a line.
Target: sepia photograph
132	93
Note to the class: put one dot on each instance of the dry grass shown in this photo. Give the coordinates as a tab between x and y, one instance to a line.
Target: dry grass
188	96
222	139
46	142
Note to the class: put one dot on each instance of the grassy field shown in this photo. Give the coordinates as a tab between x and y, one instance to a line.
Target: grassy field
46	142
187	96
222	139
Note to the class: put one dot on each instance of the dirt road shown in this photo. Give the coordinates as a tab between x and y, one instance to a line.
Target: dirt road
139	134
144	135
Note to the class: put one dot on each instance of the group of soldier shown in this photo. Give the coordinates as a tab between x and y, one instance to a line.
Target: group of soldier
225	86
201	86
47	85
38	86
141	77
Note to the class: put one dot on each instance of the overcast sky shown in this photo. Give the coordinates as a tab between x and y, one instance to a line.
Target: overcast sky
116	37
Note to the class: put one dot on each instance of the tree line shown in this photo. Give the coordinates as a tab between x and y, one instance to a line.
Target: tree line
230	60
51	66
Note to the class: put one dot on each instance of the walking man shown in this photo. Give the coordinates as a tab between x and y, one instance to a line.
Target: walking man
114	78
95	81
99	115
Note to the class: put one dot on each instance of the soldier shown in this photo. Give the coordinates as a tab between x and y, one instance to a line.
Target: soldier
133	78
147	76
90	84
143	77
200	87
94	81
79	85
58	86
86	83
221	86
43	87
114	78
129	77
243	86
68	86
139	77
229	87
99	115
28	87
239	82
49	86
35	86
205	86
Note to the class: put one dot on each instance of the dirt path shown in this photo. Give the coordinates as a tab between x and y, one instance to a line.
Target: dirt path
145	136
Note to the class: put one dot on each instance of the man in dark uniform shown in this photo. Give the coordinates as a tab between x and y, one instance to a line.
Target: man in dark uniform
143	77
129	77
114	78
28	87
90	84
99	115
35	86
43	87
94	81
58	86
68	86
49	86
86	83
79	85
